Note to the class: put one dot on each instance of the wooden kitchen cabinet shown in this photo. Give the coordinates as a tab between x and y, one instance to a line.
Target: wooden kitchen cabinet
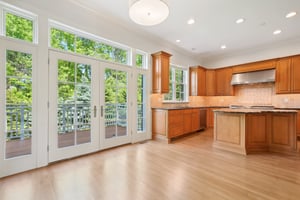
295	74
298	124
210	118
210	78
288	75
256	132
197	81
223	82
160	72
168	124
283	132
255	66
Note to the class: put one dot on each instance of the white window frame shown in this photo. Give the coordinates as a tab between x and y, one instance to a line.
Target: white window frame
6	8
145	59
173	82
81	33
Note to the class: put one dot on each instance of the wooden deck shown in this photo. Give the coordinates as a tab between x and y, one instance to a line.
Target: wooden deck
23	147
189	168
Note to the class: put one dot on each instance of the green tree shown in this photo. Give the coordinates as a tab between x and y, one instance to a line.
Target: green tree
18	27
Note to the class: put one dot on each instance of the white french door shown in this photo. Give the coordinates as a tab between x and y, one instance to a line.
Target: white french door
18	111
73	106
115	109
88	105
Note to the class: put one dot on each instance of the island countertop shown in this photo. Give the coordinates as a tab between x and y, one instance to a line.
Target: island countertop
245	110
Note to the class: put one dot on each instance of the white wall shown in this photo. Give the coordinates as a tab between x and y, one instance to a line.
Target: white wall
70	14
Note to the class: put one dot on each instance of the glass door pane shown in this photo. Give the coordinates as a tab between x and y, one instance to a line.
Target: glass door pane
18	104
141	103
74	103
115	103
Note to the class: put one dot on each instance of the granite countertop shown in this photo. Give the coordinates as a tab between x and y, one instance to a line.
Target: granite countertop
242	110
180	107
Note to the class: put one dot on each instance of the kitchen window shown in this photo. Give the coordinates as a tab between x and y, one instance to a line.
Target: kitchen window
177	85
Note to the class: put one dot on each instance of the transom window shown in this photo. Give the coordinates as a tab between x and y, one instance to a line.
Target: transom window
19	25
72	42
177	85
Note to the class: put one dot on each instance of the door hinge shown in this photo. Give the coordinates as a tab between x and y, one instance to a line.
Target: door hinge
48	104
47	148
48	61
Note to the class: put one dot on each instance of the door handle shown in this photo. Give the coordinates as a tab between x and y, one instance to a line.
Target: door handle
101	111
95	111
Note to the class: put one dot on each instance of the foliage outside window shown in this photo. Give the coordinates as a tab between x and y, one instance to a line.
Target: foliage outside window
177	85
71	42
19	27
141	103
140	61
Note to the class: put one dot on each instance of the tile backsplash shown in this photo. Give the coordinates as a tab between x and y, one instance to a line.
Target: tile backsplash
256	94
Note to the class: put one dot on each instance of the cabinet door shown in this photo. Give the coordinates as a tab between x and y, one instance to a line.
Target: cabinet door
295	74
210	118
160	72
197	81
283	132
223	82
283	76
187	120
195	120
298	124
256	132
159	122
210	82
175	123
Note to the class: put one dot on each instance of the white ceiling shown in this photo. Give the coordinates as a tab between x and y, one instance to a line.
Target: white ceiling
215	23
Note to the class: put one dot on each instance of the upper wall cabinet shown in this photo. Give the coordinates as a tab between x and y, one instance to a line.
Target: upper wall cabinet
210	82
255	66
288	75
197	81
160	72
223	82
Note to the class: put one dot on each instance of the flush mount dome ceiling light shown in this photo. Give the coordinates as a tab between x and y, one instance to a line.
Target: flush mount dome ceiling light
148	12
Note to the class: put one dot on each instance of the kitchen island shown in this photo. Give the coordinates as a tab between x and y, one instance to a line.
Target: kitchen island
247	131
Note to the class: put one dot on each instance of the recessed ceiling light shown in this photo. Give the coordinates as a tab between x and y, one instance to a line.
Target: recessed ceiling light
291	14
177	41
223	47
277	32
191	21
239	21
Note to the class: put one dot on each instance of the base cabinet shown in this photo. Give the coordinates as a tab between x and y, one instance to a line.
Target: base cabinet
168	124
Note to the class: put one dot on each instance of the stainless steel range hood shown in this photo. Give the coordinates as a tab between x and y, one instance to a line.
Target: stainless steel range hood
264	76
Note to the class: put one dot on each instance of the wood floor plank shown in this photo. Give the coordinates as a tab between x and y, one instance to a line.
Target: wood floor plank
189	168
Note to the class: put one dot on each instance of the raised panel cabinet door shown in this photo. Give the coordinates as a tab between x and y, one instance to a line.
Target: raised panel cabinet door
256	132
210	82
187	120
283	132
193	82
196	120
197	81
160	72
295	74
223	82
159	122
175	123
283	76
210	118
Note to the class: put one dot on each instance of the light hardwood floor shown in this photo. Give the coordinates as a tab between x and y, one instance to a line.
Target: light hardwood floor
187	169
